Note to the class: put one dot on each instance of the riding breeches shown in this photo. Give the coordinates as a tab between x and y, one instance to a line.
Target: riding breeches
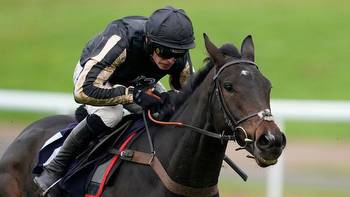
110	115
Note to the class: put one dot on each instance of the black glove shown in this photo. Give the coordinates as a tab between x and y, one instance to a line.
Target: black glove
142	82
145	99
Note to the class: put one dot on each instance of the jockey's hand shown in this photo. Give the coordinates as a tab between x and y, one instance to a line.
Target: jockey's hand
146	98
141	82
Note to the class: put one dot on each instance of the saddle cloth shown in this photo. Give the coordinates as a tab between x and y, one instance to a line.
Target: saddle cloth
88	174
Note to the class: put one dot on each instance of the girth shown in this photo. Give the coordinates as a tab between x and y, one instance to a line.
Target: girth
151	160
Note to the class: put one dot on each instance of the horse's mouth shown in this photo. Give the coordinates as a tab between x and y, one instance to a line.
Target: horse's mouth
261	158
264	162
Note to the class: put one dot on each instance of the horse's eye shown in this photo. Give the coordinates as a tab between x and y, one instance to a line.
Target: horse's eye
228	86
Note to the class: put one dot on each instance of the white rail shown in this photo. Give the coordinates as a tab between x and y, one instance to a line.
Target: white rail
308	110
300	110
36	101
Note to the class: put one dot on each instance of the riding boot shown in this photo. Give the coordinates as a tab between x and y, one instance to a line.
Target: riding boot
75	143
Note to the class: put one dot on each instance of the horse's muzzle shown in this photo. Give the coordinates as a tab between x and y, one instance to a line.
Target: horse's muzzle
268	147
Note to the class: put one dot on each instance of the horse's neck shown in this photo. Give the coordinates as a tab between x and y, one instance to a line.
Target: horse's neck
195	159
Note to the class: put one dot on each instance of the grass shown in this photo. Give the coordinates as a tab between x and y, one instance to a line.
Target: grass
238	188
335	132
23	118
301	46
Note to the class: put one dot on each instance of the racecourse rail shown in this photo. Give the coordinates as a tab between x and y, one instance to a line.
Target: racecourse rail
298	110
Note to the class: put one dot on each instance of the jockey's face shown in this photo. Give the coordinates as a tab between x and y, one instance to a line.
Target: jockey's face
163	63
164	57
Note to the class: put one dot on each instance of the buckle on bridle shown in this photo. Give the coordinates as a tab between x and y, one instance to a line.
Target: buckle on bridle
242	138
266	115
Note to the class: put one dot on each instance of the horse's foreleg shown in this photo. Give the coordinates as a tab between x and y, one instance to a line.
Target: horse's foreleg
9	186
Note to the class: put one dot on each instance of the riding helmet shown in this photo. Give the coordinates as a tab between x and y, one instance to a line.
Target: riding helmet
170	27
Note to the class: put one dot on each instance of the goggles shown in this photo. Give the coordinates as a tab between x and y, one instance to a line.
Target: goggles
167	53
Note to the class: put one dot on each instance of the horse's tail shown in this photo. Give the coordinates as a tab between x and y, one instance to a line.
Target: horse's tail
9	186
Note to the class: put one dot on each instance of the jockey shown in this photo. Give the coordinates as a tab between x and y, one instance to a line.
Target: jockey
128	48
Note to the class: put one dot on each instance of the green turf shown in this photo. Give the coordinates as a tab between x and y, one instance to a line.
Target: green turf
238	188
331	132
301	46
23	118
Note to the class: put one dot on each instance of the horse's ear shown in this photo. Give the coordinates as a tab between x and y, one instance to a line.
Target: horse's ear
213	51
247	48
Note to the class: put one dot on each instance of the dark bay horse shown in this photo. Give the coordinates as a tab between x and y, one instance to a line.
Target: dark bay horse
230	100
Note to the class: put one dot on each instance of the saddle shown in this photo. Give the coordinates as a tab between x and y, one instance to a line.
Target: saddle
93	168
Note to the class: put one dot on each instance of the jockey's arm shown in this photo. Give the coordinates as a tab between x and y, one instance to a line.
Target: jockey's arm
92	87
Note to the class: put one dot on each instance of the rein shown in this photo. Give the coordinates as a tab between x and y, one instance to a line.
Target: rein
193	128
264	115
151	159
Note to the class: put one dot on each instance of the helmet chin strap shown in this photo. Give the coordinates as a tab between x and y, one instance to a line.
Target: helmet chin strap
147	46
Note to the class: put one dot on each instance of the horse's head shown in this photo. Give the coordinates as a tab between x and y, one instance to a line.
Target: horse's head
241	103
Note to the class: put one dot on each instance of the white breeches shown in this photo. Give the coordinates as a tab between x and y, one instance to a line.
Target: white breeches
110	115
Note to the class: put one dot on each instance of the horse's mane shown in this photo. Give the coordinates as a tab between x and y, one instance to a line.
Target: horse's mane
229	50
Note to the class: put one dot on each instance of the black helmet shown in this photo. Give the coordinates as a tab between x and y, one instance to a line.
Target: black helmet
171	28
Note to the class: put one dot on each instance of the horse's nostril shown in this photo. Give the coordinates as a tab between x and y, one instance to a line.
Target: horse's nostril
265	141
269	140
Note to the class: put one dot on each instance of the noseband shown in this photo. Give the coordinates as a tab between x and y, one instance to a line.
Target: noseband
232	122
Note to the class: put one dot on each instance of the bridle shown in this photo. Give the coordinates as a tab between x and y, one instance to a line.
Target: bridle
232	122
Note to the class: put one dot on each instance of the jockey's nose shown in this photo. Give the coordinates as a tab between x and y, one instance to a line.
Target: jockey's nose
171	60
272	141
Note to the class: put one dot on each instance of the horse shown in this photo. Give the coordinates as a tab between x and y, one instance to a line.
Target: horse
227	100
